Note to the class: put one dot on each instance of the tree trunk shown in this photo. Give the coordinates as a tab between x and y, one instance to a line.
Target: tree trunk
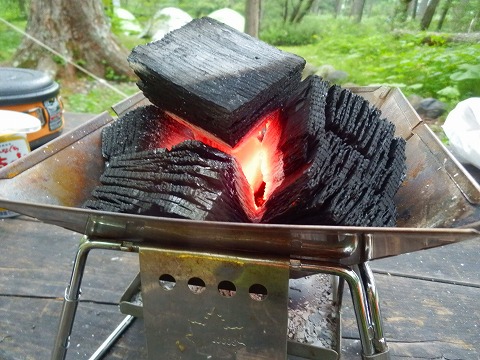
401	11
79	32
338	7
428	16
295	11
285	11
422	8
414	5
315	7
252	17
357	10
443	15
473	23
304	11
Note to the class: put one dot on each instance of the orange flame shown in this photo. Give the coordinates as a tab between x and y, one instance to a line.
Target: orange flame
256	153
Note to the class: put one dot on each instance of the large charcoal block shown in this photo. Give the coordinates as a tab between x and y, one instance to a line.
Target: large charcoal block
143	128
215	77
354	164
190	181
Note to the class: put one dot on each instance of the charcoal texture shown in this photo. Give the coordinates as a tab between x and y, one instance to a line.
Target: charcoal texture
352	163
231	79
342	165
191	181
143	128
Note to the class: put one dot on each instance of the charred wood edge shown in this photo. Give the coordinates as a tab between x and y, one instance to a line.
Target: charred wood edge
168	182
369	130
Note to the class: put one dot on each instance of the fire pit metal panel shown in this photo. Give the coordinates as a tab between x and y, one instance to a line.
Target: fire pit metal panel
438	202
202	306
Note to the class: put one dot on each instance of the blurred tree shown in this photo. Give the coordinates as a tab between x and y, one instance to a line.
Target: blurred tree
413	8
357	10
78	32
428	15
422	7
443	15
338	7
252	17
401	10
299	9
474	21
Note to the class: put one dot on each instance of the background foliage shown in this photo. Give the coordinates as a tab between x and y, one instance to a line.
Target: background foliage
386	47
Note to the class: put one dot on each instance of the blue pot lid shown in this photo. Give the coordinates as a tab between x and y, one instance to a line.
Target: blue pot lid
21	86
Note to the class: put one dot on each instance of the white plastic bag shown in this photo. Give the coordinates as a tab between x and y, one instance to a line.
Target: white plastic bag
462	128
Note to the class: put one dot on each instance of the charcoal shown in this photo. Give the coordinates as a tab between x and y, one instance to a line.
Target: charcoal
215	77
332	158
144	128
313	190
303	123
355	166
190	181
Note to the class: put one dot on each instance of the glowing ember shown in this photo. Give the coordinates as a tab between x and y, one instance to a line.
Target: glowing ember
254	152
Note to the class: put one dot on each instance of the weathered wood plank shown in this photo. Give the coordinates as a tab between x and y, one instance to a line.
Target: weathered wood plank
453	263
36	260
424	319
28	328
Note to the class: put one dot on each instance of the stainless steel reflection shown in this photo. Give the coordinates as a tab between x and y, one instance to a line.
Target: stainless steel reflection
438	204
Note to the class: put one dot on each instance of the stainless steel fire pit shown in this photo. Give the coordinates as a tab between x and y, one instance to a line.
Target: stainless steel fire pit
438	205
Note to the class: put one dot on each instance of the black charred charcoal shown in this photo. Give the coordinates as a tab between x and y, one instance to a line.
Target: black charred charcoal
215	77
303	123
308	197
395	169
190	181
143	128
354	168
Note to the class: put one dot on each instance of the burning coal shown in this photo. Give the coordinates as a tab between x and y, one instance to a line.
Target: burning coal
234	134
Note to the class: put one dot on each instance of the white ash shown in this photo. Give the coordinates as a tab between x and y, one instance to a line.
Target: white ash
137	299
312	313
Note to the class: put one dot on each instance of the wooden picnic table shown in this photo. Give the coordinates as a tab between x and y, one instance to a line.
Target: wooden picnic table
429	299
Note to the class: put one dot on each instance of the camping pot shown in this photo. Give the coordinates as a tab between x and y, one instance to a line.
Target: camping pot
33	92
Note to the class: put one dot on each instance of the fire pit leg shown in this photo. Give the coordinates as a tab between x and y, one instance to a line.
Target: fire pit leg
365	303
72	294
366	275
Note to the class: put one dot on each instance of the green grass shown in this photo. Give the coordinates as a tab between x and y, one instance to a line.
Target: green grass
9	41
88	96
369	52
374	55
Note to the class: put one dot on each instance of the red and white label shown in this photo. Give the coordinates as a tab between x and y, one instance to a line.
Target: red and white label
12	150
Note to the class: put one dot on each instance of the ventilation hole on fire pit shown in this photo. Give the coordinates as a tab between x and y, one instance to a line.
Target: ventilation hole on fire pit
167	281
258	292
196	285
227	288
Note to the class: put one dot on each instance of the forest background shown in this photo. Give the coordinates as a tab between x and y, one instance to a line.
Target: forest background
427	48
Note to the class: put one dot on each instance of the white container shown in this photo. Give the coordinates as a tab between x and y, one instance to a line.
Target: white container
14	127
